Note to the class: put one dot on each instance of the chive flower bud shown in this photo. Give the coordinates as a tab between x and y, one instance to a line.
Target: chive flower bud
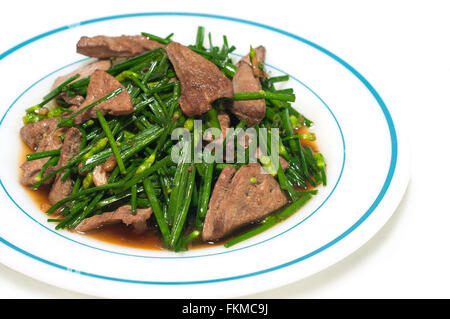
294	121
308	136
265	160
319	160
189	124
87	181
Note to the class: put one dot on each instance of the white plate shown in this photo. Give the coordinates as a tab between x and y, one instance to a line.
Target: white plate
367	158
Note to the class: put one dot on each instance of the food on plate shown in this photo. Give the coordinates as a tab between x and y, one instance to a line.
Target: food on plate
201	80
246	80
104	47
154	136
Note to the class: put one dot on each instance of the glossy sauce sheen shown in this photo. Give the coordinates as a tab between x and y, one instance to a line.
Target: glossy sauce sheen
120	234
311	144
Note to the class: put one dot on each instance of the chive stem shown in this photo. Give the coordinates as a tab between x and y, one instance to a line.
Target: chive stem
112	141
38	155
159	215
261	94
68	121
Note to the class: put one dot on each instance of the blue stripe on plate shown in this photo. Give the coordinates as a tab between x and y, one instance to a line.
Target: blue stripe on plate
390	123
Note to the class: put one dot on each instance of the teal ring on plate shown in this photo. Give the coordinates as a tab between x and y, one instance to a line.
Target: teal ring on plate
390	123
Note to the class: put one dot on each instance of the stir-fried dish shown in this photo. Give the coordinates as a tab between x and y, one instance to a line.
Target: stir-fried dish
157	135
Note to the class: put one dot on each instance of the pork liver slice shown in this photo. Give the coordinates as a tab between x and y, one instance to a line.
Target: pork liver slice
100	85
84	71
61	189
122	214
236	201
30	169
244	80
33	133
123	46
201	80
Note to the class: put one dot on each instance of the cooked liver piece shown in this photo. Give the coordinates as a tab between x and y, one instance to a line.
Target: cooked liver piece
30	169
201	80
100	85
224	121
76	100
251	111
61	189
124	46
99	176
236	201
84	71
122	214
33	133
220	191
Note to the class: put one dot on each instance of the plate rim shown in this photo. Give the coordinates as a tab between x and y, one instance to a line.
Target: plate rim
360	77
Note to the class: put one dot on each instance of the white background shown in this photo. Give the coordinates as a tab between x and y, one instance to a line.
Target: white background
403	49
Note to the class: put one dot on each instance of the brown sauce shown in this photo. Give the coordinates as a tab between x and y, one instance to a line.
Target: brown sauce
120	234
312	144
